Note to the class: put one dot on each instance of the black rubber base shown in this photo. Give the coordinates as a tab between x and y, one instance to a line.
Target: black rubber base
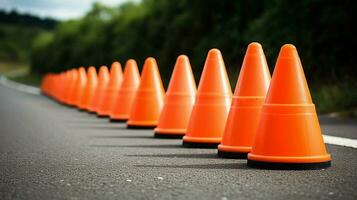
92	112
61	103
168	136
140	127
118	120
67	105
288	166
102	116
236	155
200	145
81	110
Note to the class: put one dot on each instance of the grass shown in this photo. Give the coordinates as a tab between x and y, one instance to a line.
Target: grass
19	72
336	98
28	79
13	68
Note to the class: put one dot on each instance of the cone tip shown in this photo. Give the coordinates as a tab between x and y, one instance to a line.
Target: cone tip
103	67
150	61
182	57
288	50
115	63
288	47
214	52
82	69
131	61
254	46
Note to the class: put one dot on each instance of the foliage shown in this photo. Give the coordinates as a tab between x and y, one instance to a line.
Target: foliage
322	30
17	32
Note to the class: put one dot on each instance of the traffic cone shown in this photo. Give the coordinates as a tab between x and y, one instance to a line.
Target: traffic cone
110	94
149	98
210	111
68	85
62	79
64	88
179	100
72	87
90	88
103	80
247	102
126	94
288	135
81	84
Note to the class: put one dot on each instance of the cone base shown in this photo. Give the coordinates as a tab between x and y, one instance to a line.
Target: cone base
199	145
168	135
288	166
91	112
67	105
71	105
140	126
82	109
170	131
61	103
102	116
118	120
106	114
235	155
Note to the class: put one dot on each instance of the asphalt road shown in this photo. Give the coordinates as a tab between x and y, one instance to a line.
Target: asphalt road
49	151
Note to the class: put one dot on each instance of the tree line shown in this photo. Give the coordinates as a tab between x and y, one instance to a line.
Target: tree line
322	30
17	32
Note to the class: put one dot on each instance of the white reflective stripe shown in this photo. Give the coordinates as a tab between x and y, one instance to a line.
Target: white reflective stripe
340	141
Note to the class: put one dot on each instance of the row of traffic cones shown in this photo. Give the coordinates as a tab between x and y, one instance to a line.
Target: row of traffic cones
271	122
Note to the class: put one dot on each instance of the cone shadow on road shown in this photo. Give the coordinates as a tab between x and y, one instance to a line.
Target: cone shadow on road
104	122
121	136
201	166
104	127
160	146
200	155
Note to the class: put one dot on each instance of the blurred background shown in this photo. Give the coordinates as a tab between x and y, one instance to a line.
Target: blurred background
41	36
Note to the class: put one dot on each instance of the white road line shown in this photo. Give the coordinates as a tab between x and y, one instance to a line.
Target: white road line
18	86
340	141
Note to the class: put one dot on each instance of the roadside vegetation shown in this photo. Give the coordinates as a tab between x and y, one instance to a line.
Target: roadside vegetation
17	32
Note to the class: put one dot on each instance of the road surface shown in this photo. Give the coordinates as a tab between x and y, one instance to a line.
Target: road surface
50	151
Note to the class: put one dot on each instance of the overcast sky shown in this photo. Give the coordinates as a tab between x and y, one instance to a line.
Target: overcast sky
58	9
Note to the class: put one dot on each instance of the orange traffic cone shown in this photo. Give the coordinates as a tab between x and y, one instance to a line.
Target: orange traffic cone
90	88
59	80
210	111
110	94
72	87
149	98
288	135
68	85
179	100
248	99
81	84
64	87
103	80
126	94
